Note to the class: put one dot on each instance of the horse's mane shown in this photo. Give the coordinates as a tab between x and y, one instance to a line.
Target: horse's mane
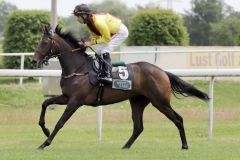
69	38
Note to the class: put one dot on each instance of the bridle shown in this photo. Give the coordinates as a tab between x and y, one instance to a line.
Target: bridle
50	54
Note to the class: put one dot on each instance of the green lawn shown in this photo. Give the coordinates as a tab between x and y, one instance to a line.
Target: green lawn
20	134
77	140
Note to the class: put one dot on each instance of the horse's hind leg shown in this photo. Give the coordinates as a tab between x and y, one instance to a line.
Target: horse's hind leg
54	100
138	105
175	118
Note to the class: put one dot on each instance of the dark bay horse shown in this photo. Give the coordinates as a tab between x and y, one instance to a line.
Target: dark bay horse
151	85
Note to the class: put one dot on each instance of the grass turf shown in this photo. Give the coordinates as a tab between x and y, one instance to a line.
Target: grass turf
21	135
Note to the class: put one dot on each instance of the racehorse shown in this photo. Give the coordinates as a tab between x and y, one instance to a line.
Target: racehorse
151	85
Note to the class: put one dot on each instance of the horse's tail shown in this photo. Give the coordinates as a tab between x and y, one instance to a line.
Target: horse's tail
181	87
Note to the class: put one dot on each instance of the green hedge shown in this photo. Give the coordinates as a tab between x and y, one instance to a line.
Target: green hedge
157	27
0	47
22	34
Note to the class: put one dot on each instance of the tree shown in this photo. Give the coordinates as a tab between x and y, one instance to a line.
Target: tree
72	25
238	40
6	9
157	27
198	21
22	34
226	32
116	8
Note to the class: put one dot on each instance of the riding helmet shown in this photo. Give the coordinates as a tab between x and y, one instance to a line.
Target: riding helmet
81	9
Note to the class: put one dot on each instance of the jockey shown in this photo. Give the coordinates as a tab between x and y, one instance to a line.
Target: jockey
106	30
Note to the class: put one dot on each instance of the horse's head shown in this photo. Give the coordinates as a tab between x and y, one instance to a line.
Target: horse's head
51	44
47	48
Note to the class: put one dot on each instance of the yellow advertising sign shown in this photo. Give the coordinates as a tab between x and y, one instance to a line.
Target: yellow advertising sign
214	60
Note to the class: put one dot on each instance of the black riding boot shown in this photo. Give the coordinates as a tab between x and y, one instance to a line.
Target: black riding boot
107	69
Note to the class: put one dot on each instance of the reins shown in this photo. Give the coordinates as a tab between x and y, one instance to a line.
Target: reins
77	49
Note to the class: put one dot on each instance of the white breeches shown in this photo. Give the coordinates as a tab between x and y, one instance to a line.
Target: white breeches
115	41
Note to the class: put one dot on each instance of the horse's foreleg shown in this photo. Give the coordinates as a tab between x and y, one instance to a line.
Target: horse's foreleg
55	100
138	105
71	108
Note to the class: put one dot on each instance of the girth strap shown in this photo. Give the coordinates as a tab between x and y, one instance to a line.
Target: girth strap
100	93
74	74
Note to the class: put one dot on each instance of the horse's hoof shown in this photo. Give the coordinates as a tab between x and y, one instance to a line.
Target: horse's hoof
40	148
185	147
125	147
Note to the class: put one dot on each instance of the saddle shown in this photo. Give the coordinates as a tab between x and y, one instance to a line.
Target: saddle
122	76
121	73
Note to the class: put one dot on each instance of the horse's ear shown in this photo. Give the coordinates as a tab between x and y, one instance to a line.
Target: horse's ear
47	30
58	29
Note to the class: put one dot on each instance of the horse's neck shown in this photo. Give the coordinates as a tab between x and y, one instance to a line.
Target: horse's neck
73	62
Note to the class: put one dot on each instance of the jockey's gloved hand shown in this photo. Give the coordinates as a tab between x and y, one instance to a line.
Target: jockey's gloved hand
86	42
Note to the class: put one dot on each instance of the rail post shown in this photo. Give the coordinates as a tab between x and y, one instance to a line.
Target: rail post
210	122
22	68
99	131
